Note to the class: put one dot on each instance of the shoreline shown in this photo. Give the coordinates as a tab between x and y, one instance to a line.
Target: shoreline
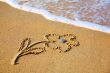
49	16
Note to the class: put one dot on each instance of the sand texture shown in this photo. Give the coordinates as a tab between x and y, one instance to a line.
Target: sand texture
92	56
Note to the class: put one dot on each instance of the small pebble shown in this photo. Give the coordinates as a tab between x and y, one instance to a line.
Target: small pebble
62	40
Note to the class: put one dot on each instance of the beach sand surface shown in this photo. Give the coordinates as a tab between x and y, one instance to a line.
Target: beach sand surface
92	56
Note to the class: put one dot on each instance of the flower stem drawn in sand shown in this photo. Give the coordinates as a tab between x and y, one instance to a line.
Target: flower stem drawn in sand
63	43
28	48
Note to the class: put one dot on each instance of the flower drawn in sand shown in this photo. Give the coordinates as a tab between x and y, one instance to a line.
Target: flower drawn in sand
63	43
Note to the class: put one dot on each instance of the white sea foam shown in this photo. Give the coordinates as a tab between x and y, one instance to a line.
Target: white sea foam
62	19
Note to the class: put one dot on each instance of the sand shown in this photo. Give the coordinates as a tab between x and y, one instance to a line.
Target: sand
92	56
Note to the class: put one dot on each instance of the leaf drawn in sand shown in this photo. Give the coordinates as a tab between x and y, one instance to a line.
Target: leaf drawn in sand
27	48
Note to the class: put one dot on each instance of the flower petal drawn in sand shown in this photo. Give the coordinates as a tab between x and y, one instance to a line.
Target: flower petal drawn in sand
27	48
63	43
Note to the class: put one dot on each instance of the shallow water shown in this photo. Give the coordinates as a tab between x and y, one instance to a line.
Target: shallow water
92	14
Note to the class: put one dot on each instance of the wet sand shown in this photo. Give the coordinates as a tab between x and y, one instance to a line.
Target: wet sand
92	56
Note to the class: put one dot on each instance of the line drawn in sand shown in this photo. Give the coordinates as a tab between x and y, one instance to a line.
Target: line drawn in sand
62	43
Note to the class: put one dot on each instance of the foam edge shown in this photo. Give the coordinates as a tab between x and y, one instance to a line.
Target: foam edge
49	16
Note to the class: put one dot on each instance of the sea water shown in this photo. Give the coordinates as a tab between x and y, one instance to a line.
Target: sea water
91	14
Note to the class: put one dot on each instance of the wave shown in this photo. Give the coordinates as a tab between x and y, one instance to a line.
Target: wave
42	8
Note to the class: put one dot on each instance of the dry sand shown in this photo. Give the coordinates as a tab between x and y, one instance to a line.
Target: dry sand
92	56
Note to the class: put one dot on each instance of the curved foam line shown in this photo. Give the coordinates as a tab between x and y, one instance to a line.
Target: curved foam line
49	16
